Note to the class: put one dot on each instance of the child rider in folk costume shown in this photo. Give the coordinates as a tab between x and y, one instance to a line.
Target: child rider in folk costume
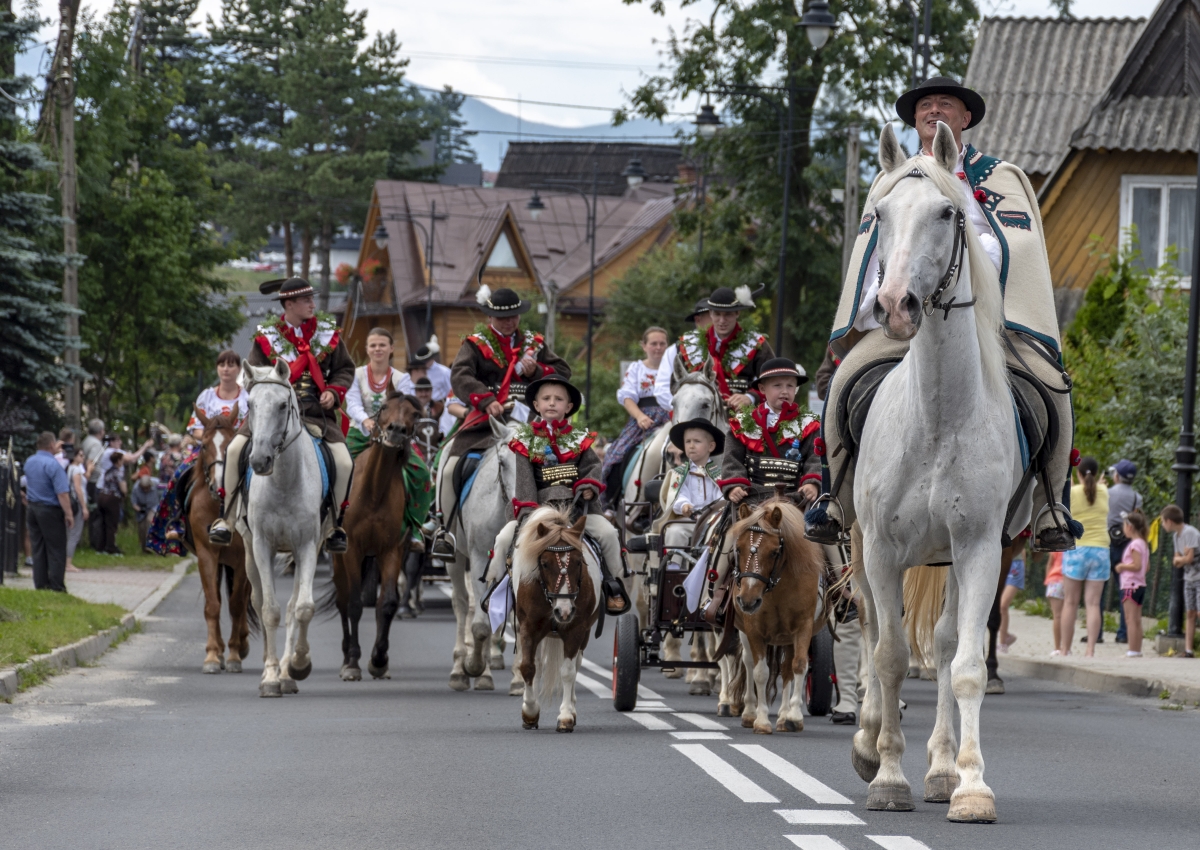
555	462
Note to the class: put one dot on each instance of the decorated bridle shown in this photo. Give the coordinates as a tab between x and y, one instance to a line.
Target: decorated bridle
753	566
562	562
377	434
293	412
933	301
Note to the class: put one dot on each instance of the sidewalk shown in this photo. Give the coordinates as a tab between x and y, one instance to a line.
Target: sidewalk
127	588
1109	671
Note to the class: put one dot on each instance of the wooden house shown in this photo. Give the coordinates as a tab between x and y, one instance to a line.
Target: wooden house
1104	117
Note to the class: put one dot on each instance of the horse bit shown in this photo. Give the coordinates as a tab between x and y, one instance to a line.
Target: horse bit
771	580
562	557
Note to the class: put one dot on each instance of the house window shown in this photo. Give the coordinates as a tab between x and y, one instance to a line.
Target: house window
502	256
1162	210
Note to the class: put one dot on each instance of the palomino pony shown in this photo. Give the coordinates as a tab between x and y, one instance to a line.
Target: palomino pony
776	585
212	562
557	604
283	515
938	463
375	530
477	522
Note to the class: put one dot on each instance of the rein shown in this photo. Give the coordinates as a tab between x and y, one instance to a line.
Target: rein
752	561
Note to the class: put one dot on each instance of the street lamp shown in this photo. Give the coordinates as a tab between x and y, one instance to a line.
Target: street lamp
708	122
381	237
535	205
634	173
818	23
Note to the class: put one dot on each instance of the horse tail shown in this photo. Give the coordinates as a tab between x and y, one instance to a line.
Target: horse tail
774	662
549	667
924	597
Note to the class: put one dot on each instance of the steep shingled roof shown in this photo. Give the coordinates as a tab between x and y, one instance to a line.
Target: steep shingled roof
527	164
1041	78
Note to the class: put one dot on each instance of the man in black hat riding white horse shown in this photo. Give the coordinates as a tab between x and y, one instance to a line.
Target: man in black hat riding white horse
322	371
701	318
1000	205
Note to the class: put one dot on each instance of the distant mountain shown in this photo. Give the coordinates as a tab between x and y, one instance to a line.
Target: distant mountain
497	128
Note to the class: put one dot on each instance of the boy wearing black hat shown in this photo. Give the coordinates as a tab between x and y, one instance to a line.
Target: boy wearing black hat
555	462
773	443
691	487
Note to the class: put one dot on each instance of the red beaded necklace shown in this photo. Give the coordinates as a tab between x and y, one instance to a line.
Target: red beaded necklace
381	385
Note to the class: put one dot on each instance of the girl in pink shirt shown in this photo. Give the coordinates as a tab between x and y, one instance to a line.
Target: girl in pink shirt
1132	570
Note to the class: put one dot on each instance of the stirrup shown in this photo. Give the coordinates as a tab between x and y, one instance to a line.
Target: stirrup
614	589
820	527
442	550
220	535
336	542
1059	537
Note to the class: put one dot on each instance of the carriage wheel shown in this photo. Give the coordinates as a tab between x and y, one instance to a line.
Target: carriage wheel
818	682
627	665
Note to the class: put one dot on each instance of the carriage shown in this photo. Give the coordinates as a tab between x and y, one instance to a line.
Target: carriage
637	645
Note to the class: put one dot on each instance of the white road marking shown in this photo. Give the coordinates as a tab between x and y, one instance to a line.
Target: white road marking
593	667
818	791
652	722
701	722
734	780
601	690
815	842
653	706
700	736
898	842
819	817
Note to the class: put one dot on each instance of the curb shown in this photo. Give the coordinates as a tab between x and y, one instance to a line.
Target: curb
89	648
1096	680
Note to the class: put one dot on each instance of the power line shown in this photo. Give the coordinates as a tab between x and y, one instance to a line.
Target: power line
514	60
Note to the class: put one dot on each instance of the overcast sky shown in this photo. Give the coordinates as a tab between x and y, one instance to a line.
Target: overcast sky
582	52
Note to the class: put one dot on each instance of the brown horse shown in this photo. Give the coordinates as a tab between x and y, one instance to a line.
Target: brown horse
556	607
374	524
776	580
211	561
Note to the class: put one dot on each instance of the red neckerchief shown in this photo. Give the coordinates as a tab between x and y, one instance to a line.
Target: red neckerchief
786	414
717	349
506	347
305	360
511	357
551	431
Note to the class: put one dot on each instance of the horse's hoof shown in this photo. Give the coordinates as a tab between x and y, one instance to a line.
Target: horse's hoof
289	686
299	673
459	681
940	787
496	662
889	798
762	730
516	688
270	689
233	665
672	673
724	711
351	674
995	685
789	726
485	684
699	689
748	722
529	722
211	667
865	766
565	725
378	672
972	808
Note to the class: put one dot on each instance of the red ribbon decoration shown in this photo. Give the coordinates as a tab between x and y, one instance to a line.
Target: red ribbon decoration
305	360
716	350
786	414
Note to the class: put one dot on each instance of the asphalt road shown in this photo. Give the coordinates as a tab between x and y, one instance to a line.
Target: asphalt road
143	750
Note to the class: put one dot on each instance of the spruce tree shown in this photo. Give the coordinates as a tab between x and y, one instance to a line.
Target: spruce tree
32	372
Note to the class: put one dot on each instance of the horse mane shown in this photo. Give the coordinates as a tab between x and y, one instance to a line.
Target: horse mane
791	524
531	544
220	422
985	283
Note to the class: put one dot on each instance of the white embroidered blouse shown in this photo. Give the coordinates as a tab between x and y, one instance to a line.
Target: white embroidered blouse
638	383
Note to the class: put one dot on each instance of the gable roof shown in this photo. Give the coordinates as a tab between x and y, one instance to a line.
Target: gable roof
1040	78
529	164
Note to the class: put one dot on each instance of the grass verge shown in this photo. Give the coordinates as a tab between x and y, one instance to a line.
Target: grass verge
36	621
87	558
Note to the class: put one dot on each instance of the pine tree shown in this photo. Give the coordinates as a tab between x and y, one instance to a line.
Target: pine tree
31	310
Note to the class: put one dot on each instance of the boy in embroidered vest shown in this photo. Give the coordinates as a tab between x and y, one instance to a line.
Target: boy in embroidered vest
773	443
692	487
555	461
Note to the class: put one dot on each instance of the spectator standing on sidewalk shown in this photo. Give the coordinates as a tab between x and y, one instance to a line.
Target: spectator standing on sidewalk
50	516
112	490
1187	558
1086	567
1122	500
77	474
1132	571
145	497
1054	595
93	448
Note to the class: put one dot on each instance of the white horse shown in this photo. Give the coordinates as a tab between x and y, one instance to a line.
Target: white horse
477	522
283	515
938	462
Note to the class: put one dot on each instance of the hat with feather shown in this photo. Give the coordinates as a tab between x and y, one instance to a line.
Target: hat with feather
503	302
733	300
425	354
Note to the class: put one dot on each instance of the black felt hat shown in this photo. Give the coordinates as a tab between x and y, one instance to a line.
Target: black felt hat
701	307
906	106
422	384
421	358
503	302
728	300
285	288
575	396
777	366
675	435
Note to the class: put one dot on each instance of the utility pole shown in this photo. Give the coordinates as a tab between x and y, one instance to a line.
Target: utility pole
64	90
850	203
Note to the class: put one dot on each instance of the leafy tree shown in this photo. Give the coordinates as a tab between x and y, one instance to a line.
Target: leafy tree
31	308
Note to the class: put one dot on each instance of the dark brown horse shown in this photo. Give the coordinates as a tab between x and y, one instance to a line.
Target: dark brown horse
556	607
374	524
213	562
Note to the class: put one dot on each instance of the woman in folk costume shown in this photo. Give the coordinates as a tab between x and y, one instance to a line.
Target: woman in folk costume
226	398
636	395
372	385
556	463
1000	205
701	318
736	353
321	375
